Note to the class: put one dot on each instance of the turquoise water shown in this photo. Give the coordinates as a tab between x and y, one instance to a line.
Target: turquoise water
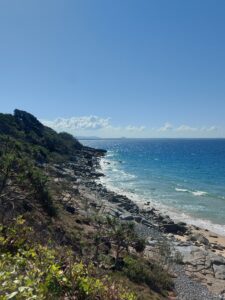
185	178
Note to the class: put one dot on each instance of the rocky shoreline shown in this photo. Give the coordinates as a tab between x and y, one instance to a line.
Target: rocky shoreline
200	273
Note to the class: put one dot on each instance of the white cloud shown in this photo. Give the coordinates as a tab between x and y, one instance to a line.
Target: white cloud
135	128
212	128
167	126
76	123
103	127
90	123
186	128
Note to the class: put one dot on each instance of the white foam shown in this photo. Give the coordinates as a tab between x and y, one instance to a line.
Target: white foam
181	190
199	193
175	214
195	193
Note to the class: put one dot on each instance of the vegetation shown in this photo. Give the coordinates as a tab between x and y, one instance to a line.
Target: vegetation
150	273
33	271
18	172
44	142
47	252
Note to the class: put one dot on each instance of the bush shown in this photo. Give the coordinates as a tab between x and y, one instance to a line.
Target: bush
34	271
18	170
140	271
123	236
39	183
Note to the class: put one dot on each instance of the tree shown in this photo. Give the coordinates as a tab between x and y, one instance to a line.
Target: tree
123	236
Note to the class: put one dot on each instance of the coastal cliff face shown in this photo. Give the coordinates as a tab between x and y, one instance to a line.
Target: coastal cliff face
56	231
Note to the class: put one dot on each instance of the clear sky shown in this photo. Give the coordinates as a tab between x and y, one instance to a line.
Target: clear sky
111	68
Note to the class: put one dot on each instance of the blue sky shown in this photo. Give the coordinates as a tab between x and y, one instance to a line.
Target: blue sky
138	68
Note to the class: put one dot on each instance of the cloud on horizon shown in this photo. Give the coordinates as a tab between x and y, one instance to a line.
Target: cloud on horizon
103	127
76	123
88	123
167	126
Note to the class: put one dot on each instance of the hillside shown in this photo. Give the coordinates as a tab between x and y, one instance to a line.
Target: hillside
58	238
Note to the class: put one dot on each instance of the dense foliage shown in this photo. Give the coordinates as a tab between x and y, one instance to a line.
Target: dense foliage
25	128
19	173
150	273
32	271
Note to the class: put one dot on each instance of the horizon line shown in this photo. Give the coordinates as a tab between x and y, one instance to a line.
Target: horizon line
150	138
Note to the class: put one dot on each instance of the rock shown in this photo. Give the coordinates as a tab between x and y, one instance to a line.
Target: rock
114	213
195	257
213	235
170	235
114	199
182	223
150	211
218	247
216	259
184	244
167	220
151	242
199	238
138	219
70	209
174	228
219	271
147	224
127	217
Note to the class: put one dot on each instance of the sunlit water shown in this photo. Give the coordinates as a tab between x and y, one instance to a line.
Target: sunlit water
184	178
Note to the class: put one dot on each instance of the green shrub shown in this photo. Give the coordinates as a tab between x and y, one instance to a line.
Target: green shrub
39	183
123	236
17	170
141	271
32	271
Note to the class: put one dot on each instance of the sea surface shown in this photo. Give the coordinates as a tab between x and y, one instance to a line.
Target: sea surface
185	178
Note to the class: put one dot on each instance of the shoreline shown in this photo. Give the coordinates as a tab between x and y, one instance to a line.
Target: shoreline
213	237
202	250
204	224
200	271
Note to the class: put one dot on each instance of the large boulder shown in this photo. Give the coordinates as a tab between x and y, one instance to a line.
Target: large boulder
198	237
175	228
219	271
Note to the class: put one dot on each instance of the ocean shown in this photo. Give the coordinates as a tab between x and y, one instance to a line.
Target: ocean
184	178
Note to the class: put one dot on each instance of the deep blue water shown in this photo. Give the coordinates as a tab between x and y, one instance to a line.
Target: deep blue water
185	177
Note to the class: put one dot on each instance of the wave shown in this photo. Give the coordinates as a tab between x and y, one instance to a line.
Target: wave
195	193
174	214
199	193
115	171
115	175
181	190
